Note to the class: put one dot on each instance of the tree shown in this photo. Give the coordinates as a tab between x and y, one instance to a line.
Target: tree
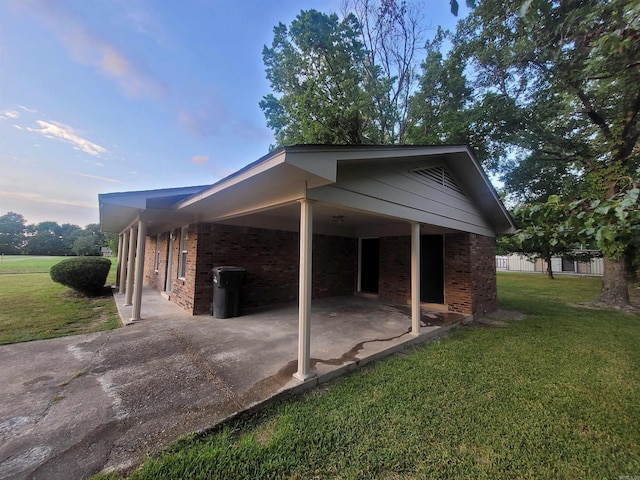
316	68
85	246
542	232
344	81
46	239
392	36
440	107
613	225
88	242
12	233
569	72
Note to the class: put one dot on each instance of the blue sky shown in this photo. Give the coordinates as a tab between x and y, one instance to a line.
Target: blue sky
100	96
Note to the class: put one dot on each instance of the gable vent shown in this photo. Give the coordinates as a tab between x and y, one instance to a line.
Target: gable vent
440	176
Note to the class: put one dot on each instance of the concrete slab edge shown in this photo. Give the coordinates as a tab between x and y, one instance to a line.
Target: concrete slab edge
295	390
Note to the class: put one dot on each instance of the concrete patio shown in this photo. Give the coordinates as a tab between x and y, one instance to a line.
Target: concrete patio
73	406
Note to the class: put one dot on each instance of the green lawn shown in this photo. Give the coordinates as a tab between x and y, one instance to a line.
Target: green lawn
556	395
34	307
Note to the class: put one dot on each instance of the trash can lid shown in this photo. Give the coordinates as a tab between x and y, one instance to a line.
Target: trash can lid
229	269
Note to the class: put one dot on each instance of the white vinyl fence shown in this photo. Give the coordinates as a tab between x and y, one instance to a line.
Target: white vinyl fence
519	263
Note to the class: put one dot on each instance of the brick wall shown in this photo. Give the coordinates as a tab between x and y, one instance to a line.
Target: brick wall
394	280
156	279
457	273
470	273
485	289
271	258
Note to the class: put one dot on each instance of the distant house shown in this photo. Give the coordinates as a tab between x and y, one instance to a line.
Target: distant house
106	252
404	224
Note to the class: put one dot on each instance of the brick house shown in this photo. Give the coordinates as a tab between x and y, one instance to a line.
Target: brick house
408	224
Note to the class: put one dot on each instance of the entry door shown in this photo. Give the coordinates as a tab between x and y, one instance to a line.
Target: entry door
167	281
369	264
432	268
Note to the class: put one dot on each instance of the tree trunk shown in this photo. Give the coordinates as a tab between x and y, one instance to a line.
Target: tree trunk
615	292
549	269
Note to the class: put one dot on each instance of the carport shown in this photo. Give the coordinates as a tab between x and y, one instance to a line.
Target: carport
353	192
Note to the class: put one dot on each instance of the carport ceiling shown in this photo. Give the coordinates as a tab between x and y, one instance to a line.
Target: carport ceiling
330	220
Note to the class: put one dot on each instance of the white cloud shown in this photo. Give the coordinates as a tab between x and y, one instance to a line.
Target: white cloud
65	133
200	159
96	177
9	114
27	109
36	197
18	127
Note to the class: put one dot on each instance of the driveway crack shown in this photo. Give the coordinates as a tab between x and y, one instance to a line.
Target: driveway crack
203	363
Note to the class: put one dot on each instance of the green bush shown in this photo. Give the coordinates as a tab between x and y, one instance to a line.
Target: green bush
84	274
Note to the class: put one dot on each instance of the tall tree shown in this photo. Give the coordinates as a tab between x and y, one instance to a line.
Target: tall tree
440	107
12	233
393	37
316	68
569	71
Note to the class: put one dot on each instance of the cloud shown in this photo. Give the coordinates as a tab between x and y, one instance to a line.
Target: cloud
60	131
27	109
18	127
9	114
200	159
96	177
88	49
36	197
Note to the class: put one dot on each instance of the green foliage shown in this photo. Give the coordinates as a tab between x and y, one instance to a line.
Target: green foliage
542	231
438	107
316	68
85	245
612	224
12	232
84	274
569	71
48	238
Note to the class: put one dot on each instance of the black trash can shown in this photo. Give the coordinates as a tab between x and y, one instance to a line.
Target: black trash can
227	283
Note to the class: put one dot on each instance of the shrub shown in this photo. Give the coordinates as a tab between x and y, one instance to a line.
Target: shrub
84	274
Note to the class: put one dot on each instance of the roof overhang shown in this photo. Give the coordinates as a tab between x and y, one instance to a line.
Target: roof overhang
281	178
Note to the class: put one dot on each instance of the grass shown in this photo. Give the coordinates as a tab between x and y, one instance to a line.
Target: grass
34	307
556	395
27	264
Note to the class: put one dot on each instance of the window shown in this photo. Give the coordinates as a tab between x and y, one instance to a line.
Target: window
156	258
182	260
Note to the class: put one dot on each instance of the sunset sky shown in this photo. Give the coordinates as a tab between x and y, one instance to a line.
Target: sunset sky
100	96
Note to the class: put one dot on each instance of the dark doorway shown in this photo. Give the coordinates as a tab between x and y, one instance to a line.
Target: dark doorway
432	268
369	264
568	264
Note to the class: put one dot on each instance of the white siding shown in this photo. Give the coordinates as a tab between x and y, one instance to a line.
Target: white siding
398	192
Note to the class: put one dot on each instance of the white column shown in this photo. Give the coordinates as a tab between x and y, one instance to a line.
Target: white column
139	279
304	301
123	252
415	279
133	232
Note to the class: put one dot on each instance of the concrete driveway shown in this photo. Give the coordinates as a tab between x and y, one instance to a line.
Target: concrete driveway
74	406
